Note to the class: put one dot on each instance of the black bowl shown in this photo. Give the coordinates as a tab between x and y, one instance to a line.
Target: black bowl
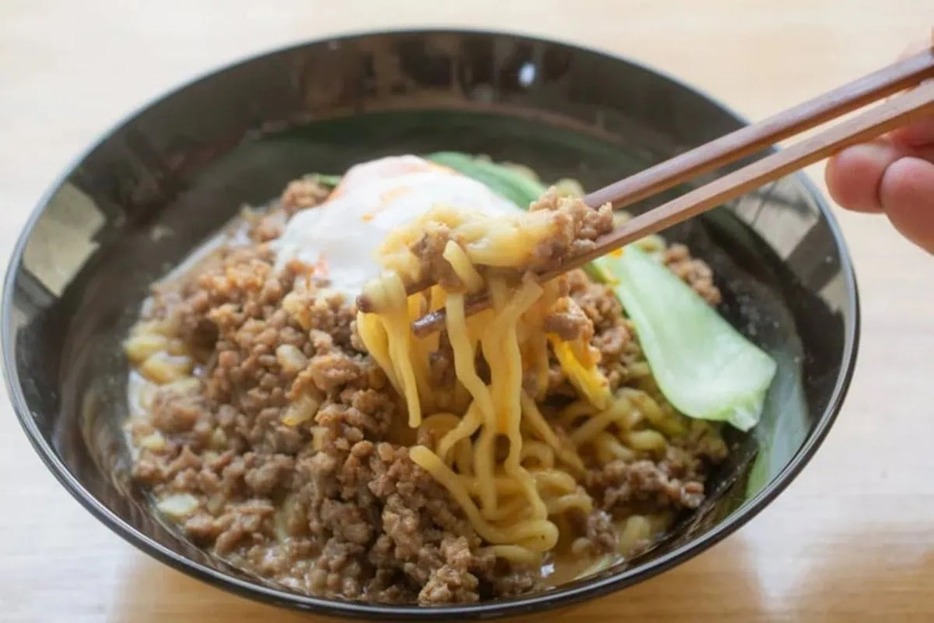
171	174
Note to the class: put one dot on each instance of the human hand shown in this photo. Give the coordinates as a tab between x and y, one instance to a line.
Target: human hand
894	175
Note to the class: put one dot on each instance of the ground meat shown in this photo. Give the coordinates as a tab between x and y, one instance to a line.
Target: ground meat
696	273
577	225
248	522
332	370
453	582
269	227
301	194
592	311
398	520
701	443
619	484
283	434
568	321
430	249
203	528
272	471
601	533
510	582
361	518
175	410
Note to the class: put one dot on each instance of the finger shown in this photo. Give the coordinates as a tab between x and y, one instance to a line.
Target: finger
853	175
917	135
906	192
922	133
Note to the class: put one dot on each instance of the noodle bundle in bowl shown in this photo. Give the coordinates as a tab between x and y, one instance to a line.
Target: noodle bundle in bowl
487	441
335	451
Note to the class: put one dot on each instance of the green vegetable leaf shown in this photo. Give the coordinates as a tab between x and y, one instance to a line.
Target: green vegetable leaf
703	366
508	182
326	180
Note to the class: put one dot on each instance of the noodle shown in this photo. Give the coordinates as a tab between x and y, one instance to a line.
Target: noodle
505	465
464	428
517	447
540	452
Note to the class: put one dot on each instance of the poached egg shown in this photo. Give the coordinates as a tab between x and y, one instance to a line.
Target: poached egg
340	237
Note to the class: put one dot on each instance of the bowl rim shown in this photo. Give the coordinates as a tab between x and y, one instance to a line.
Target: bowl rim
543	601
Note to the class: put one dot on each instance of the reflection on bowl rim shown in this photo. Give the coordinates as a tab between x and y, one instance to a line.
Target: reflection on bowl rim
553	598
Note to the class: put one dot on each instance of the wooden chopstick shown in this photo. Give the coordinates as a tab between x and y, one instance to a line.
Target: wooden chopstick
896	112
750	139
900	110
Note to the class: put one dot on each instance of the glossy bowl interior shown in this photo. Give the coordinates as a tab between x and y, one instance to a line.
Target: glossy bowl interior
170	175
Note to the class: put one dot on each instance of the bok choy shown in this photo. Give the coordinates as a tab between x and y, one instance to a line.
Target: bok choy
702	365
508	182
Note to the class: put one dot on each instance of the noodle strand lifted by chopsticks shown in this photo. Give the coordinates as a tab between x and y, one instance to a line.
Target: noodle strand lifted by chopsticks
509	470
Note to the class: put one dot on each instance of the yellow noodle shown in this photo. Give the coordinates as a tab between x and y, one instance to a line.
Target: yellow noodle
575	411
609	449
464	428
503	485
441	423
647	440
540	452
418	306
538	535
638	370
484	465
511	449
462	266
373	333
636	528
463	458
537	423
465	354
505	372
589	429
515	473
573	501
513	509
584	377
390	294
666	423
555	479
516	554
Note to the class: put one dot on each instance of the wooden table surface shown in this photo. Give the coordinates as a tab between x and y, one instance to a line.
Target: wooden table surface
852	539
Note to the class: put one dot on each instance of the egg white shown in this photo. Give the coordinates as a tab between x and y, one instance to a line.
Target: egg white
340	237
